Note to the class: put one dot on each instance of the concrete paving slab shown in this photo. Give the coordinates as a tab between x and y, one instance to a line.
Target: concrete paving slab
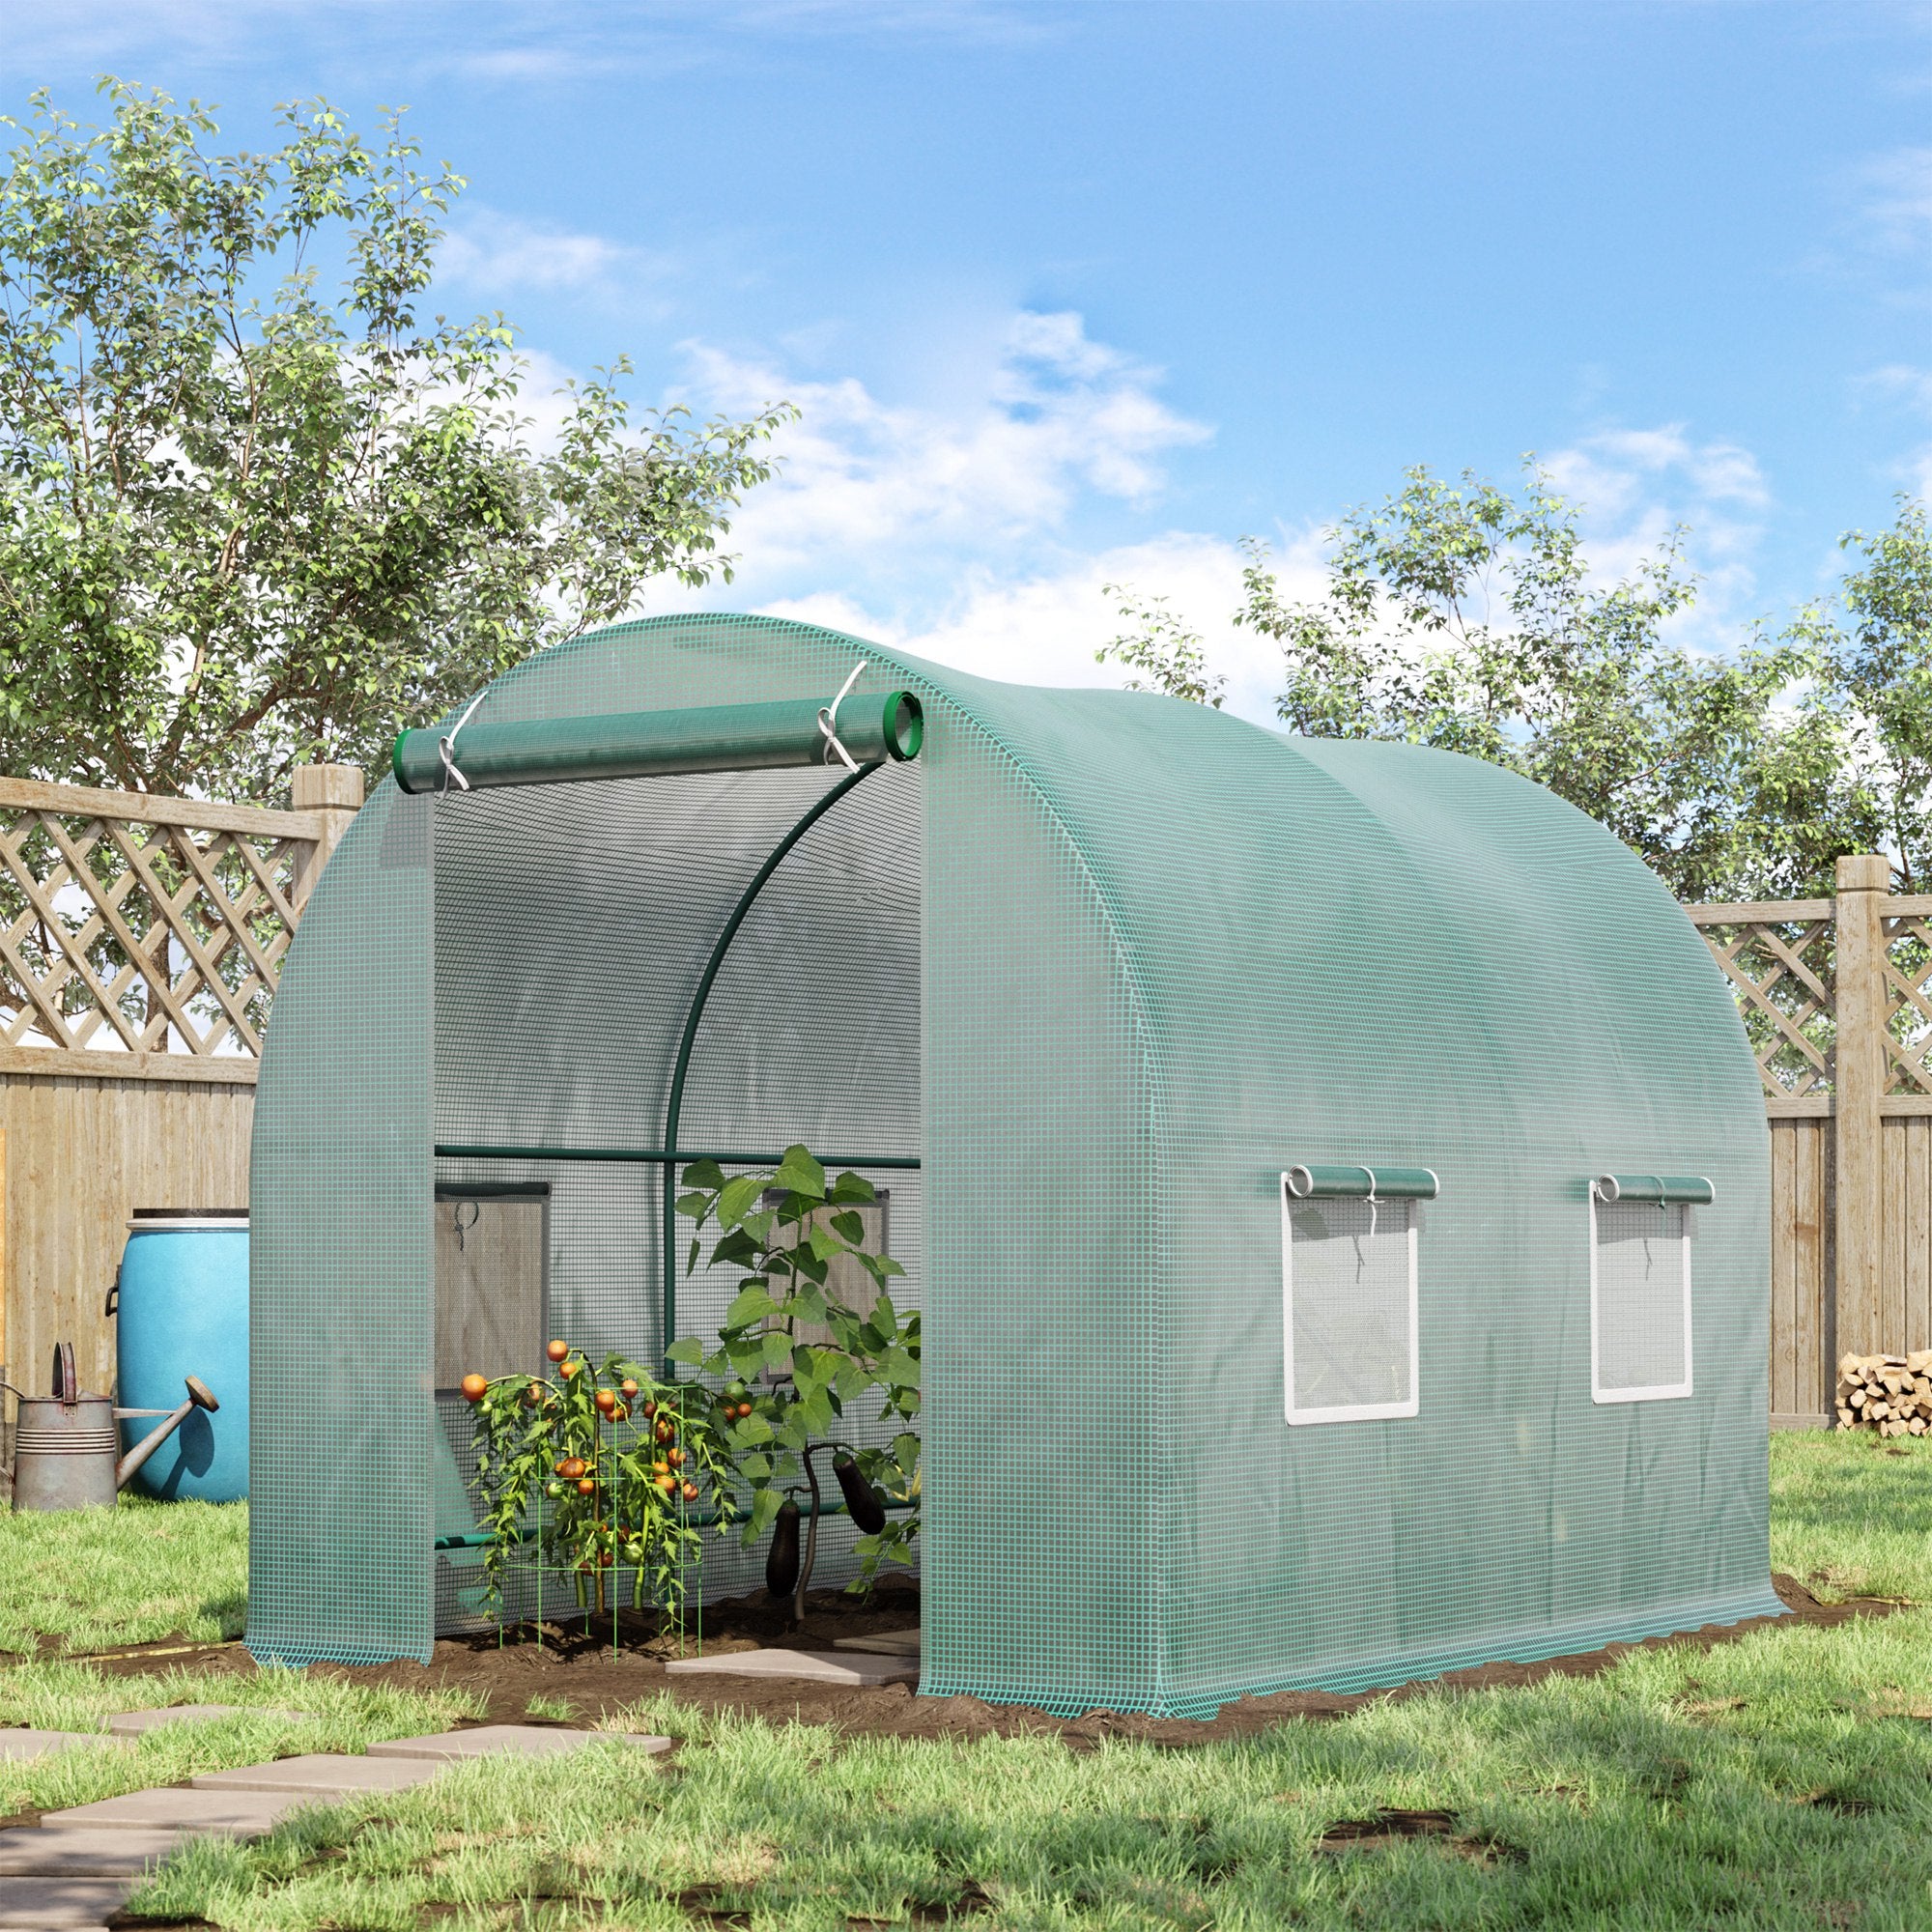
816	1667
102	1853
893	1643
239	1814
132	1724
530	1740
61	1904
325	1773
16	1746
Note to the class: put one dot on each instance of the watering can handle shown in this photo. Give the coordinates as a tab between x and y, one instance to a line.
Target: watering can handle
67	1384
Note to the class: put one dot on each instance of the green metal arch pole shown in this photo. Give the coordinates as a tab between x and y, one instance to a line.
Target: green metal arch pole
675	1107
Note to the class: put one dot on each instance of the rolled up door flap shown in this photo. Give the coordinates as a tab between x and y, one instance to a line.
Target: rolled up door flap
779	735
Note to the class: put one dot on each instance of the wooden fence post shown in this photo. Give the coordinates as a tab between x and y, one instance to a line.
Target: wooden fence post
335	793
1860	1083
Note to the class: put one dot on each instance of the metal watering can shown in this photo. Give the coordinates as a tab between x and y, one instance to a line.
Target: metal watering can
66	1447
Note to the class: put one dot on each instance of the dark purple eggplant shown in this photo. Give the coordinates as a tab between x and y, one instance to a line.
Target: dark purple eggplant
781	1559
867	1510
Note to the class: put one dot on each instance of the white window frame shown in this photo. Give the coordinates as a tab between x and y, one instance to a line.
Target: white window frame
1370	1411
1661	1392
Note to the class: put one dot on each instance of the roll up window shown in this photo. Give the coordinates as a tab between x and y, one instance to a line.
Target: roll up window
1348	1249
1641	1227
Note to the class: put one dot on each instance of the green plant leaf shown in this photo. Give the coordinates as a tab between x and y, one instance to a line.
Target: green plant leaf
704	1174
752	1303
851	1186
801	1173
775	1351
738	1197
686	1348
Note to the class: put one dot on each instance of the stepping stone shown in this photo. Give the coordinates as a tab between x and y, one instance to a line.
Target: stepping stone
325	1775
58	1904
16	1745
527	1740
893	1643
816	1667
133	1723
102	1853
236	1814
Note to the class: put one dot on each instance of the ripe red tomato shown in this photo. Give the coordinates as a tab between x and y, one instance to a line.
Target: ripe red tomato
474	1389
586	1487
629	1387
690	1492
557	1351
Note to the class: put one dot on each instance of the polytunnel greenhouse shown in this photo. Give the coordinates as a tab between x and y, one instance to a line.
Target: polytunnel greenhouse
1332	1175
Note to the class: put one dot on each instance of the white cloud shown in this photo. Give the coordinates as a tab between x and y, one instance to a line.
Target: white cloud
493	251
887	490
1899	199
945	530
1635	486
1046	627
507	41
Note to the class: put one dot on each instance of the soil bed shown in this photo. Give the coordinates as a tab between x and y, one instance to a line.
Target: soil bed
579	1668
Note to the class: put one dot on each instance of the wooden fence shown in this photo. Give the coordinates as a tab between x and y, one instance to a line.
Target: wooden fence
140	940
1837	999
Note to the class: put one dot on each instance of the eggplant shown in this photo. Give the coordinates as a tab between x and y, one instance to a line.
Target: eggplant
781	1559
865	1508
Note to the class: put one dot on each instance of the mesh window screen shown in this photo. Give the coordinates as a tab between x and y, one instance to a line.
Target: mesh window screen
1640	1300
1350	1294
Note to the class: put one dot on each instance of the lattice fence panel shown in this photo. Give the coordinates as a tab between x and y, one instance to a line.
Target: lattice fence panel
1780	960
1908	989
118	935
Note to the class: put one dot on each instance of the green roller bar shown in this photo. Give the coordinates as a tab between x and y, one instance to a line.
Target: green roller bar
640	743
1310	1182
1661	1189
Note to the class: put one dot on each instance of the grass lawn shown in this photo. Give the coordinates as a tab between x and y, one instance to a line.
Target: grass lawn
153	1569
1781	1782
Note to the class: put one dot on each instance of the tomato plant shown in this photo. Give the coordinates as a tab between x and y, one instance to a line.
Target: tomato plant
781	1395
606	1469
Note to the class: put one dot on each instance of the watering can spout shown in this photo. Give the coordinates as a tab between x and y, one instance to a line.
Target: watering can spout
199	1396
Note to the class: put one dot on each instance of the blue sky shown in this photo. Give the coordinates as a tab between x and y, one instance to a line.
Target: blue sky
1077	291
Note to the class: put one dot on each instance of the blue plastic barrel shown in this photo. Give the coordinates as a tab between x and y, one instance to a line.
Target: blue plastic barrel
183	1310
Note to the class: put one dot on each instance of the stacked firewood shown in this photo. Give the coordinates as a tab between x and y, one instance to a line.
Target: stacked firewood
1890	1393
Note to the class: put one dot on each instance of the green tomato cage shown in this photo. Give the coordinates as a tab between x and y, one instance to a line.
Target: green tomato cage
1332	1175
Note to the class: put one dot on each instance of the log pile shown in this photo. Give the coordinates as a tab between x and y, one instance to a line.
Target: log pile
1890	1393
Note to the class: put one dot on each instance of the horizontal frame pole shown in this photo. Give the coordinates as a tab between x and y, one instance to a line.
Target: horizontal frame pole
656	1157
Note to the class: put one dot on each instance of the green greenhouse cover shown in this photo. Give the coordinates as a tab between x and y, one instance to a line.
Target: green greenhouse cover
1080	986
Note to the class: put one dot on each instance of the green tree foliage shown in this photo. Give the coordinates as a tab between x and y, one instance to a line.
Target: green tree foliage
1467	617
256	507
1160	651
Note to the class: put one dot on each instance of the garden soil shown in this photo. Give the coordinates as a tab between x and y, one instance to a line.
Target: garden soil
579	1668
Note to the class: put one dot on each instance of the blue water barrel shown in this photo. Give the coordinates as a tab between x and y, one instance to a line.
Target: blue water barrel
183	1310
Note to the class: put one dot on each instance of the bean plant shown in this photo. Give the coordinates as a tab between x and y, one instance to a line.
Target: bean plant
783	1393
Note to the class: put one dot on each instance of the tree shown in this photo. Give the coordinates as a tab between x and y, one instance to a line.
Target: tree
248	519
1876	679
1465	617
1161	652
